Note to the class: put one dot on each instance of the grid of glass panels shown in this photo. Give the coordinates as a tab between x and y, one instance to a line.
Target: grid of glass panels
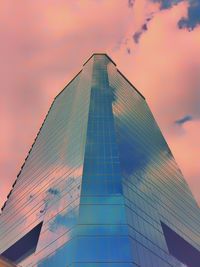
153	187
101	178
48	186
101	236
102	221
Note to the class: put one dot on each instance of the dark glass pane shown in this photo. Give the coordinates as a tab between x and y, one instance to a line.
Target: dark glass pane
23	247
180	248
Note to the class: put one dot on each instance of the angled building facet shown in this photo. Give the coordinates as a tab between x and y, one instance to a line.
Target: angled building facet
100	187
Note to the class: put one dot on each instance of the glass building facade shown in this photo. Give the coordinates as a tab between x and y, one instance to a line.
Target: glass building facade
100	186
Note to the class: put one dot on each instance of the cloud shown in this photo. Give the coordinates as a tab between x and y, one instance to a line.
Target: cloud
128	50
44	45
184	119
131	3
186	147
137	35
140	22
65	219
165	68
191	20
54	191
193	16
165	4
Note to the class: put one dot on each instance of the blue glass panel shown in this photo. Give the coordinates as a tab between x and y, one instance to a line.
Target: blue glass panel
180	248
104	249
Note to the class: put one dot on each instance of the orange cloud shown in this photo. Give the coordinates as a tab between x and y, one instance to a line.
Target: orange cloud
44	44
164	67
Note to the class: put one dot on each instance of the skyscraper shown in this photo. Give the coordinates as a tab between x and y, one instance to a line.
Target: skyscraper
100	187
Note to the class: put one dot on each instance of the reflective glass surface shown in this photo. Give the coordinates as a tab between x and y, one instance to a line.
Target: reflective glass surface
101	178
154	189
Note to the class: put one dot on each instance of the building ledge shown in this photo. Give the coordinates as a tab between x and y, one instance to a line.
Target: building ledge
100	54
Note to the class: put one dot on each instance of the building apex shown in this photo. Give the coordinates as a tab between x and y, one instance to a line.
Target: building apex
100	54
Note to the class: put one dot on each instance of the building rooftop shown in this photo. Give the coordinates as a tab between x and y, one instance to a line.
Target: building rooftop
100	54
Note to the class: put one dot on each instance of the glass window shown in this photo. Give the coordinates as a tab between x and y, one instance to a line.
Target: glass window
23	247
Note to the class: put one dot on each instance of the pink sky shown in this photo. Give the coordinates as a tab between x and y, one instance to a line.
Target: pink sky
44	44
